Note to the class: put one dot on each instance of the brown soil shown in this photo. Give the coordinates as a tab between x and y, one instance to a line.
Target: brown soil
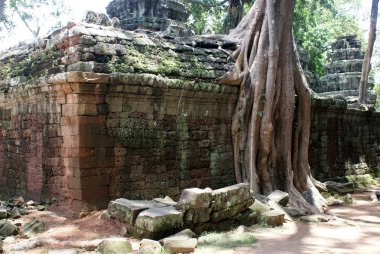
356	230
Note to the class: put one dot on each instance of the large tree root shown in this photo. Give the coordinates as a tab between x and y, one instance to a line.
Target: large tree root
270	133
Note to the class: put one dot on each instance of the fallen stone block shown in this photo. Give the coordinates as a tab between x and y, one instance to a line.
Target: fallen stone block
128	210
230	196
178	245
166	201
114	246
230	211
259	207
293	212
194	198
8	229
32	243
197	216
279	209
160	219
33	228
15	214
150	246
246	218
273	218
3	212
280	197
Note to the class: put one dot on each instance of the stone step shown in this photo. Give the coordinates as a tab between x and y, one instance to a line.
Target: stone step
159	219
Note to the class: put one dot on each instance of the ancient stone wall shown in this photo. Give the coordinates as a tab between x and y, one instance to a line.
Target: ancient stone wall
97	113
343	141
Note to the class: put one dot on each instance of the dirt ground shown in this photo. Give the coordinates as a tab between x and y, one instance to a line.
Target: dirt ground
356	230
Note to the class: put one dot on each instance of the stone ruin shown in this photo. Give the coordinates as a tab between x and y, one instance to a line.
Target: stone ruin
156	15
200	210
344	71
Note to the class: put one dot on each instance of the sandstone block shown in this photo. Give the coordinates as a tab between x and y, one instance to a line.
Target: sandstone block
273	218
280	197
114	246
259	207
150	246
33	228
3	212
231	211
230	196
160	219
167	201
194	198
128	210
175	245
8	229
198	215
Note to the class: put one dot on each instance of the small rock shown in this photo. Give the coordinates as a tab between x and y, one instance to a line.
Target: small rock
259	207
8	229
105	215
3	212
149	250
31	203
32	243
273	218
33	228
280	197
150	246
293	212
280	209
178	245
41	208
17	201
114	246
15	214
24	211
124	231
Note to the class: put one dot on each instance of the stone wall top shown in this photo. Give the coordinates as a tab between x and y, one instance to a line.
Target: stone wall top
82	47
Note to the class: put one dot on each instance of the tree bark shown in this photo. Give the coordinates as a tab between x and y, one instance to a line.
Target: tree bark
271	123
368	53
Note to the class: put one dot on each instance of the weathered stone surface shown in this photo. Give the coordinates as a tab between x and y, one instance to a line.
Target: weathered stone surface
3	212
293	212
273	218
33	228
194	198
8	229
197	216
167	201
160	219
175	245
15	214
155	246
128	210
32	243
259	207
230	211
280	197
276	207
230	196
114	246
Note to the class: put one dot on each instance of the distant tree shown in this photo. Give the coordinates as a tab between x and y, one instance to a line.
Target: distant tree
35	15
368	53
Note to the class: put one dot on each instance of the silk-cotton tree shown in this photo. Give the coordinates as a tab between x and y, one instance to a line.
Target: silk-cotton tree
271	123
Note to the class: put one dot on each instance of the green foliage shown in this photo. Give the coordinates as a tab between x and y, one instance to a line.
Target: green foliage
35	15
318	23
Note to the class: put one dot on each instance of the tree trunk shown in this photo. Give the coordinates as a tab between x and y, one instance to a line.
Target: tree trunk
368	53
271	124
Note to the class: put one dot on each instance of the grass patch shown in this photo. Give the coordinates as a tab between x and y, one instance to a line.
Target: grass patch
226	240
